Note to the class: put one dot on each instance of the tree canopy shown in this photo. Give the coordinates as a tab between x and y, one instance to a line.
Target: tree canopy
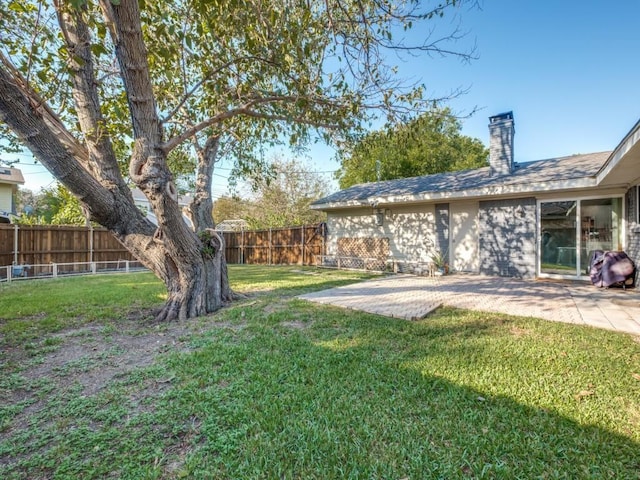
429	143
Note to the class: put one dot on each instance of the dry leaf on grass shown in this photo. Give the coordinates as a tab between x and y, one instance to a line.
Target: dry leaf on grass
582	394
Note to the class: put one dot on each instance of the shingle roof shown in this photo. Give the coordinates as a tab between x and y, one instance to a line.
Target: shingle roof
554	169
11	175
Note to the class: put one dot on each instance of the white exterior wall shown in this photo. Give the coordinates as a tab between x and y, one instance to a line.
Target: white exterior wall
6	192
410	229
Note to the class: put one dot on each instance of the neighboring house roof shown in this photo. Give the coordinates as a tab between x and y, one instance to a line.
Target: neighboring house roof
232	225
565	173
153	219
11	175
139	198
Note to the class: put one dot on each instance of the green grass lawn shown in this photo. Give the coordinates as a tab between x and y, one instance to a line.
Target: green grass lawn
275	387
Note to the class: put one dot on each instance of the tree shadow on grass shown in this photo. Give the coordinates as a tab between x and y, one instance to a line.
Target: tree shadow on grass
350	395
352	403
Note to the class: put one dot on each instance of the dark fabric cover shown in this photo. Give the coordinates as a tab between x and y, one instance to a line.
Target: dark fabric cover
608	269
594	270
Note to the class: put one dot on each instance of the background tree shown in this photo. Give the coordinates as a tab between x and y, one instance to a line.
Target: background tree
230	207
279	198
26	198
429	143
92	87
54	205
69	211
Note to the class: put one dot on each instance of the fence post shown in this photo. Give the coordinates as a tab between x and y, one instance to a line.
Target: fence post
15	243
50	258
93	267
241	245
90	243
302	245
270	245
126	266
55	270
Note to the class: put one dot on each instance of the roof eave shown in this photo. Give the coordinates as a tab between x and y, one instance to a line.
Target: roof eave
472	193
627	143
338	205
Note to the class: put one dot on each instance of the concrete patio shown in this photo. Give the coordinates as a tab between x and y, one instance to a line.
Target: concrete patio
411	297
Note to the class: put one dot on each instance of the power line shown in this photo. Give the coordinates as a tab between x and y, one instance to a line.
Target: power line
298	172
225	169
20	154
23	163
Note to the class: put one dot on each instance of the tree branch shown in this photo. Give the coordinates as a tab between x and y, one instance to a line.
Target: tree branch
202	204
50	118
131	52
204	79
35	130
245	110
102	158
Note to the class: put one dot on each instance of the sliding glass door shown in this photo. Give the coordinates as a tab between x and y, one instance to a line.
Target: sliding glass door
570	230
600	227
558	252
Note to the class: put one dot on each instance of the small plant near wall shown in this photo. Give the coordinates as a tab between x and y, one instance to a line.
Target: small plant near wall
440	262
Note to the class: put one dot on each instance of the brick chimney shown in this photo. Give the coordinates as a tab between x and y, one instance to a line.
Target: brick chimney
501	131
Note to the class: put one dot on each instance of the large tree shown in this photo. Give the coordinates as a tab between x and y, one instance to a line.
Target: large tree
89	86
429	143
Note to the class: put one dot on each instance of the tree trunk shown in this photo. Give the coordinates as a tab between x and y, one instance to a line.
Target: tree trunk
196	288
196	281
191	266
191	269
201	212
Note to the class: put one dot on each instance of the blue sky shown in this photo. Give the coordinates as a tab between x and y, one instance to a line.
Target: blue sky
568	69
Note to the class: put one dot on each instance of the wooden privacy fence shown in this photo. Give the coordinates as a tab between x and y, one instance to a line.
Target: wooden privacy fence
276	246
52	244
42	245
